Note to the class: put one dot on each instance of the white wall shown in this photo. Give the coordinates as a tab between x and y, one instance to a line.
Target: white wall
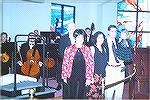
22	17
1	16
85	17
107	15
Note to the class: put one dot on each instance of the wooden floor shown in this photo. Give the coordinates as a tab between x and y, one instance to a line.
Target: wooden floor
141	59
57	98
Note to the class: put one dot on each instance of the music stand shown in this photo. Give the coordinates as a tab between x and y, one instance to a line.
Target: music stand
48	35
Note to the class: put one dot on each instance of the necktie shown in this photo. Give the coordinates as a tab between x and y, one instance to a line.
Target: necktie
114	51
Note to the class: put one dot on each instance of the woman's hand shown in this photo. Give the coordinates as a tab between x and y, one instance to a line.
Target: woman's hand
88	82
65	80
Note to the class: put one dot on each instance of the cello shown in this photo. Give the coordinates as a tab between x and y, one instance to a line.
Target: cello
49	62
31	67
5	57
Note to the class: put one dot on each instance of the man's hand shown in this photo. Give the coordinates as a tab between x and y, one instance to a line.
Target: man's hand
40	63
20	63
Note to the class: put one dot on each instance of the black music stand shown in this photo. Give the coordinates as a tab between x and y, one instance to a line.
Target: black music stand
48	35
51	51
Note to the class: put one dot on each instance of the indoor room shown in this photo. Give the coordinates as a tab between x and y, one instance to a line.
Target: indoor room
48	45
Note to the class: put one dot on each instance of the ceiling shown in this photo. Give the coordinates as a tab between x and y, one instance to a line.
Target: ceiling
87	1
64	1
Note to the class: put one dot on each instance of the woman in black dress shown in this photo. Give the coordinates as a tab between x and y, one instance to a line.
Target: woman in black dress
100	54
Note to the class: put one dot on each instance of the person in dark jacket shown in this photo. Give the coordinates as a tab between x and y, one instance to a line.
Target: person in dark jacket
65	41
125	49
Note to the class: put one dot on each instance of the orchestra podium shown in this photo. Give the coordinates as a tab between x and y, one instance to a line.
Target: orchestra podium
18	86
24	85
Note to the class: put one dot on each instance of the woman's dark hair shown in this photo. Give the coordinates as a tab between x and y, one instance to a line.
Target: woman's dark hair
79	32
104	44
96	35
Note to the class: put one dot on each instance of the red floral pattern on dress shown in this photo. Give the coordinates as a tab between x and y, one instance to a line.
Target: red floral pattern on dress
92	91
68	61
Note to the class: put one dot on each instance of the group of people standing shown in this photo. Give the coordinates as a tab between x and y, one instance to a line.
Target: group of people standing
85	61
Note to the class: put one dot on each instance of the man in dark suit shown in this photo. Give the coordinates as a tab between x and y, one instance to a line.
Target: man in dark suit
65	41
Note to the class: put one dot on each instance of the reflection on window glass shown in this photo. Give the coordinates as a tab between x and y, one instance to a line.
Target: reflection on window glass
68	16
143	5
55	13
127	5
144	19
133	39
127	19
64	15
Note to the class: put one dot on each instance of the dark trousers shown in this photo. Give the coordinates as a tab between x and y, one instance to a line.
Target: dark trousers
66	91
4	68
74	90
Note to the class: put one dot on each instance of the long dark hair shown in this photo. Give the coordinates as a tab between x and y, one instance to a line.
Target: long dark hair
96	35
104	44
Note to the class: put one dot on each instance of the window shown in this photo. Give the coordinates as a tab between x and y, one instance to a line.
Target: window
63	14
134	15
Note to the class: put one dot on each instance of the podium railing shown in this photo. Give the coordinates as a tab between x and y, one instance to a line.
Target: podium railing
15	62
